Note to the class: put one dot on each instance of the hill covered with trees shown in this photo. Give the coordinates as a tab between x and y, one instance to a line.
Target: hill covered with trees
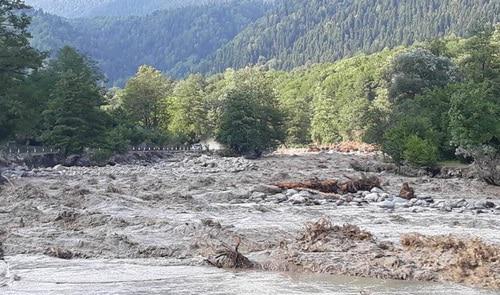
281	34
297	32
93	8
171	40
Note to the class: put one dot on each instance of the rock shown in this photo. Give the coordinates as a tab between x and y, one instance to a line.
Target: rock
373	197
280	198
305	194
376	190
421	203
387	205
459	204
297	199
268	189
398	200
358	200
407	192
59	168
257	197
483	205
291	192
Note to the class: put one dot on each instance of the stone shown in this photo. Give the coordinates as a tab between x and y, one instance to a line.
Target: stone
483	204
387	205
398	200
59	168
407	192
376	190
257	197
268	189
291	192
305	194
372	197
280	198
297	199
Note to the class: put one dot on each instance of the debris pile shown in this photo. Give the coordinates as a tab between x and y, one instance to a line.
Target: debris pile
335	186
469	261
229	257
319	233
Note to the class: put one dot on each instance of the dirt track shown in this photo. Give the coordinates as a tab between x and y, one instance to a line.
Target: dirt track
184	208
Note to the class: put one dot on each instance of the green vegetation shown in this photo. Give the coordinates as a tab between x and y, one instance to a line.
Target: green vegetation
431	102
173	41
251	121
282	34
93	8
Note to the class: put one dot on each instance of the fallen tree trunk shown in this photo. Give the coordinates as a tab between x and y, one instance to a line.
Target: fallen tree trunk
334	186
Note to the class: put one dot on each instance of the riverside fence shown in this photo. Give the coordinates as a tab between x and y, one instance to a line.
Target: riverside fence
23	151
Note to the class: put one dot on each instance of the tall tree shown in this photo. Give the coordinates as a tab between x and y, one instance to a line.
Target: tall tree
144	95
252	121
74	120
17	59
188	110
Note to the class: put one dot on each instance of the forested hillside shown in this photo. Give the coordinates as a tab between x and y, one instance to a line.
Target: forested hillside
172	40
92	8
282	34
297	32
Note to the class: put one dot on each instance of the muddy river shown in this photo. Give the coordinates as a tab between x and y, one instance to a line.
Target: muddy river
149	228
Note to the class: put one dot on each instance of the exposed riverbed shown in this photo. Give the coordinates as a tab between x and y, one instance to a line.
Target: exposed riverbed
157	223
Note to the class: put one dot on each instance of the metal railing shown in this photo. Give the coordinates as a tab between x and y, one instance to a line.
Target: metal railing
20	151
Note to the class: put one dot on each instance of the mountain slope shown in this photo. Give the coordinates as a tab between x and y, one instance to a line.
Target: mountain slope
172	40
297	32
284	34
92	8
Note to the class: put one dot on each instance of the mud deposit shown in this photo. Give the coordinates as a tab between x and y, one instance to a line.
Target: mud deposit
158	223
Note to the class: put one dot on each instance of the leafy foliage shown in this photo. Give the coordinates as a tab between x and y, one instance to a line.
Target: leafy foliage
251	122
187	110
143	97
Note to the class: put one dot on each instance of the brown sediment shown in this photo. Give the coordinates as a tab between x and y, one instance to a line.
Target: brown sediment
323	247
468	261
335	186
345	147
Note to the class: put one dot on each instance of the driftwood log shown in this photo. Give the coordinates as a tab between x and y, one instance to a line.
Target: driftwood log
335	186
230	257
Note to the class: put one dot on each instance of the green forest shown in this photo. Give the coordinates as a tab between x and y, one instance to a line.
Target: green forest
432	101
280	34
93	8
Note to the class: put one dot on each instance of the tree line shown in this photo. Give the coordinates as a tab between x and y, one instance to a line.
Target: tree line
421	104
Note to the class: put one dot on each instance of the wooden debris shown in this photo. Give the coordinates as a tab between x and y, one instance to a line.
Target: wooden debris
334	186
229	257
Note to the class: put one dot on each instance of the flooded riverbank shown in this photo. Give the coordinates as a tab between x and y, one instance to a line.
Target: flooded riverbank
185	207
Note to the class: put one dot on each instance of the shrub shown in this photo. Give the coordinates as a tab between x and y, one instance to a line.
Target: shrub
420	152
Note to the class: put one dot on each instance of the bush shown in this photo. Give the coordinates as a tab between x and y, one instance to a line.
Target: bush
420	152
